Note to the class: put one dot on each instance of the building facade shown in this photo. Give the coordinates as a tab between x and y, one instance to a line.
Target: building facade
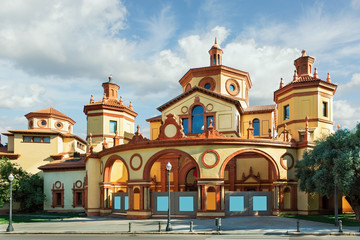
228	158
49	148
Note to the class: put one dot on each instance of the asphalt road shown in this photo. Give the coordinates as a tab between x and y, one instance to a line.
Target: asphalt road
162	237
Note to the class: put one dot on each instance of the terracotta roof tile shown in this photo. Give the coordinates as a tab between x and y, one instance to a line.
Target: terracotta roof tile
153	119
262	108
70	163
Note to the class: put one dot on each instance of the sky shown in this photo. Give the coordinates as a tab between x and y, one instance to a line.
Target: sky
58	53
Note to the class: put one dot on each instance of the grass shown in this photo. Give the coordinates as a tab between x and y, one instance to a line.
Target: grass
347	219
37	217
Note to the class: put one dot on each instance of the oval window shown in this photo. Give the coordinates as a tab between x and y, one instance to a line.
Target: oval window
207	86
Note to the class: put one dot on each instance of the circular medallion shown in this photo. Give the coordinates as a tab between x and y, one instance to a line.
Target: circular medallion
170	130
210	158
57	184
287	161
78	184
184	109
232	87
209	107
42	123
135	162
207	83
58	125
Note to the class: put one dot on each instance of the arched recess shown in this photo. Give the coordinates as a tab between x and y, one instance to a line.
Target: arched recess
257	151
153	158
109	165
155	170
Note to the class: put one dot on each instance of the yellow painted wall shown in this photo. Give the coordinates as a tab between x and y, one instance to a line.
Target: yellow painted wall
68	178
154	130
302	106
119	172
259	165
94	177
266	123
33	155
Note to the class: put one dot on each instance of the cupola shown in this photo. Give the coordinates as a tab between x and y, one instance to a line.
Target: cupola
304	65
215	54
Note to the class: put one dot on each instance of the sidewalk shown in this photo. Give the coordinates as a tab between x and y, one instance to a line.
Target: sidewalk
268	225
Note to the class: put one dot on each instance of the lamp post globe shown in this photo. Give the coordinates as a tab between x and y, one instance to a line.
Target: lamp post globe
168	225
10	227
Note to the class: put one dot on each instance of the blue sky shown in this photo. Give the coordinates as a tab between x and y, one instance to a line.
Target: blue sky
57	53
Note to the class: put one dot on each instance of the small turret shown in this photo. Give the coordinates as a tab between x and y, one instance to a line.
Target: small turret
215	54
304	64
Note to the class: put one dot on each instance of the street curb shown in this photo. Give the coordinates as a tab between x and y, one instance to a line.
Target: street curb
324	234
122	233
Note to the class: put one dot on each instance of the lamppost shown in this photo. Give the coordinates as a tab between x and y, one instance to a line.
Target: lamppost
10	227
168	225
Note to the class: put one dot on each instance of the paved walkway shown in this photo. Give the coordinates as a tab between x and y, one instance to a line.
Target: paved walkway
268	225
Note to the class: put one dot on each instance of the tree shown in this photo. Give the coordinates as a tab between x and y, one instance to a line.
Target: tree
27	187
334	163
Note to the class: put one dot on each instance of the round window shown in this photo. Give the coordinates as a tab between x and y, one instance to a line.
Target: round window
207	86
43	122
232	87
58	124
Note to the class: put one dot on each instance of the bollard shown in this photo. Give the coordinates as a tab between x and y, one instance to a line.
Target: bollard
191	226
129	227
218	224
298	225
159	226
340	226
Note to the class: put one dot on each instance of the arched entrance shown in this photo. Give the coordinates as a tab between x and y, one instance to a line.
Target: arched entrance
114	186
183	186
249	180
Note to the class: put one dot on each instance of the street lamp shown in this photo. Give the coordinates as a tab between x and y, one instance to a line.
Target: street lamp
10	227
168	226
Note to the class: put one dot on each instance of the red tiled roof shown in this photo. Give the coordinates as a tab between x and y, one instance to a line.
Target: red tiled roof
51	112
154	119
70	163
44	131
258	109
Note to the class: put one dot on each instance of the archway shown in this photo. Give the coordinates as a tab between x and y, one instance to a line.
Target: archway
249	178
116	175
182	163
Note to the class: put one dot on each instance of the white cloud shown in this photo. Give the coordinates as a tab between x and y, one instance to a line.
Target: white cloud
345	114
353	85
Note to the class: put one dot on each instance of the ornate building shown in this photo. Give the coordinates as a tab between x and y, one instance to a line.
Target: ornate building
228	158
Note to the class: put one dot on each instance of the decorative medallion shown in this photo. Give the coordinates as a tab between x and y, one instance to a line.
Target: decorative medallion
184	109
58	125
57	184
232	87
207	83
78	184
287	161
42	123
136	162
170	130
209	107
210	158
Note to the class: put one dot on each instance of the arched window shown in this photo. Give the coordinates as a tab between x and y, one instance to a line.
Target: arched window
256	126
197	119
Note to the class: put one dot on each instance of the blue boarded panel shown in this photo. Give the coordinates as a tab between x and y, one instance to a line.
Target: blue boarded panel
117	202
126	203
259	203
162	203
236	203
186	204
